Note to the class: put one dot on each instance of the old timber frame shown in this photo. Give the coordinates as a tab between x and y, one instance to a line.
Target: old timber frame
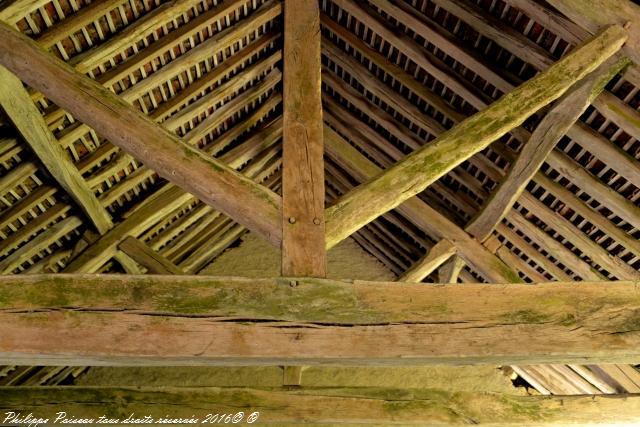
150	104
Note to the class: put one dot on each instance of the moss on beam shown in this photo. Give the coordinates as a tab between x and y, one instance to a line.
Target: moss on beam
118	320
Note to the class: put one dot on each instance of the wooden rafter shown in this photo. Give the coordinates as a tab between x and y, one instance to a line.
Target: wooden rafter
177	320
215	183
565	112
421	214
17	104
165	201
147	257
595	14
434	258
303	235
413	174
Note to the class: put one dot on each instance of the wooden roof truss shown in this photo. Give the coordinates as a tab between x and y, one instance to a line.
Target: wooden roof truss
455	140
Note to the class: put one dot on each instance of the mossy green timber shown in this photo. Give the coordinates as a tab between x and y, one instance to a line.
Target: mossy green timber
326	406
424	216
417	171
250	204
116	320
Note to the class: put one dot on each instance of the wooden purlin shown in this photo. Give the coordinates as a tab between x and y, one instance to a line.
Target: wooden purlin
553	127
166	201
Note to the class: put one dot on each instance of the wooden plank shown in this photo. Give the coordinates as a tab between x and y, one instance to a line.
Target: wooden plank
24	115
557	122
214	183
323	406
303	247
423	215
424	166
147	257
475	378
439	253
209	320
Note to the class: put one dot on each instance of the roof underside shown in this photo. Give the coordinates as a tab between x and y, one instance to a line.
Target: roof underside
395	75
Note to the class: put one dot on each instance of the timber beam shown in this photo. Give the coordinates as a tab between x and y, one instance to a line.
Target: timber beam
188	320
422	215
303	235
147	257
417	171
558	121
251	204
592	15
24	115
437	255
327	406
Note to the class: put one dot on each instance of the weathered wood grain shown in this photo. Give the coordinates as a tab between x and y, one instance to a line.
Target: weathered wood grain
252	205
303	245
595	14
325	406
565	112
450	270
418	170
423	215
25	116
439	253
147	257
205	320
